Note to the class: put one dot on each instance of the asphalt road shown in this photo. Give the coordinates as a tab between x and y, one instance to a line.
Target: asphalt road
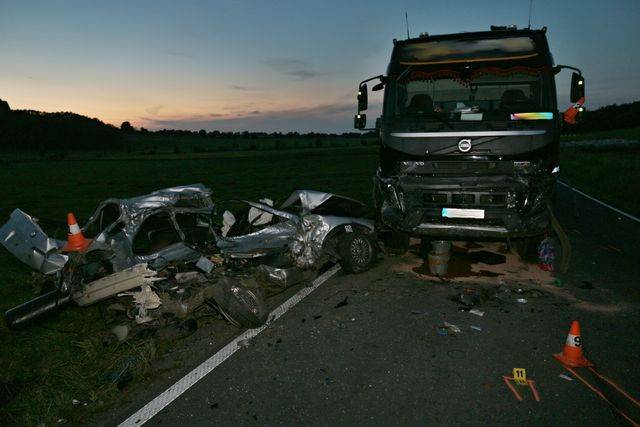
379	360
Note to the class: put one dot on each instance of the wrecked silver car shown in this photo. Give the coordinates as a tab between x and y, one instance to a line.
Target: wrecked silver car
166	252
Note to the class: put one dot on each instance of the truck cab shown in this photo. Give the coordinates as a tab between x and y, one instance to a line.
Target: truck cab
469	134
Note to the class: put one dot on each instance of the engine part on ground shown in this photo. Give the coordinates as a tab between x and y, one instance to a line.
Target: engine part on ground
438	263
241	301
45	303
114	284
441	246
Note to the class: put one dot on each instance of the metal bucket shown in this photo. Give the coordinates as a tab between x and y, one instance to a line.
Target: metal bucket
441	246
438	263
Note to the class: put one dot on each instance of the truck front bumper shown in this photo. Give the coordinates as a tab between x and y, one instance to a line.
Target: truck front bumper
513	206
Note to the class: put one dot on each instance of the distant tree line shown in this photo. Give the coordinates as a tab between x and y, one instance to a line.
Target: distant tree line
608	118
27	130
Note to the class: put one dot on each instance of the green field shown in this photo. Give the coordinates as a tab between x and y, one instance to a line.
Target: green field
631	133
48	364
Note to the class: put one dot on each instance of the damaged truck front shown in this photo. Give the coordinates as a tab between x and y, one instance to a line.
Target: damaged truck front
469	135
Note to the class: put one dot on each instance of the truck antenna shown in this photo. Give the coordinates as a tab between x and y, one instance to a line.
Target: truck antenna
530	5
406	20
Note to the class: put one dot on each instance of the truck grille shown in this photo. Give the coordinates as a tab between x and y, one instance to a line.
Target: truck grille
468	167
448	198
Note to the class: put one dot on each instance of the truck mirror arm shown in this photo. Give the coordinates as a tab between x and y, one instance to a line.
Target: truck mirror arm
559	68
382	78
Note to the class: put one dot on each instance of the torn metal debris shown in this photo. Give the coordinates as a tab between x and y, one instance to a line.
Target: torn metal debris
166	253
22	236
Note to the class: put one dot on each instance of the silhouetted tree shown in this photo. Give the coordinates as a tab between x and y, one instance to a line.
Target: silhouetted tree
202	132
4	107
126	127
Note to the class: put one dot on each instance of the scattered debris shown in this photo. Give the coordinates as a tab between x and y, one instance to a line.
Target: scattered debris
451	328
522	300
476	328
476	312
342	303
565	377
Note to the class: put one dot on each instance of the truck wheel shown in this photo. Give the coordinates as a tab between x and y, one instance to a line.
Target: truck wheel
396	243
527	248
358	252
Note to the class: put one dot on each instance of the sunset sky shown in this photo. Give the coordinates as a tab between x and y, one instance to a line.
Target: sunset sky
271	65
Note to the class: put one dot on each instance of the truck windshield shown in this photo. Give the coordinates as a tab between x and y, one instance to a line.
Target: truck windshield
489	93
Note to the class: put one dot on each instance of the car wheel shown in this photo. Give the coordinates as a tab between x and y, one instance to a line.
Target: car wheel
358	252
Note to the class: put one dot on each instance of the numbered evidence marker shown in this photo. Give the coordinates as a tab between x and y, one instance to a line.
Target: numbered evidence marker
520	376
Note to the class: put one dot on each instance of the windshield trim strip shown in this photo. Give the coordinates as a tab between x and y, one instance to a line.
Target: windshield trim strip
470	133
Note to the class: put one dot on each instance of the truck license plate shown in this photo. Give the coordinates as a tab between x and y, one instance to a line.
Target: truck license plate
462	213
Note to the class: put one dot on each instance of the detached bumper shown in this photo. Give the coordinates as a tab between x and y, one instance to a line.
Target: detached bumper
513	206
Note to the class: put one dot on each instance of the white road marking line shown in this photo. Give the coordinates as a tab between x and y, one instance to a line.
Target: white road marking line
631	217
145	413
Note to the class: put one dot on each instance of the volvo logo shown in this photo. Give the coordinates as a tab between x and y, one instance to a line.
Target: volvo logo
464	145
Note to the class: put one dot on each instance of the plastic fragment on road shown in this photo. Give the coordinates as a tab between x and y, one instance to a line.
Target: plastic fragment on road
454	329
565	377
522	300
476	312
476	328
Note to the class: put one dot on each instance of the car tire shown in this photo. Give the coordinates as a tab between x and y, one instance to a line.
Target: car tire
358	252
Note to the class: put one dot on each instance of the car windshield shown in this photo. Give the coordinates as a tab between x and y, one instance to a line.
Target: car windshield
489	93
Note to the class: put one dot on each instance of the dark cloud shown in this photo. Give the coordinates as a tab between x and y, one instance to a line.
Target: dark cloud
292	67
243	88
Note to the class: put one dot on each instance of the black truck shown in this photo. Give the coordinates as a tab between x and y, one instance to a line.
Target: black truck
469	135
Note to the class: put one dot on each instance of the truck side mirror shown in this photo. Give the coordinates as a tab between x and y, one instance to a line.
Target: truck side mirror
360	121
363	97
577	87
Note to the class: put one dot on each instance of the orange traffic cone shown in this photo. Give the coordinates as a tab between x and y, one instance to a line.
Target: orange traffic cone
75	240
572	353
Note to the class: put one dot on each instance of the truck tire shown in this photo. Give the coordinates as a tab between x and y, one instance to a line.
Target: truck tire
358	251
527	247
